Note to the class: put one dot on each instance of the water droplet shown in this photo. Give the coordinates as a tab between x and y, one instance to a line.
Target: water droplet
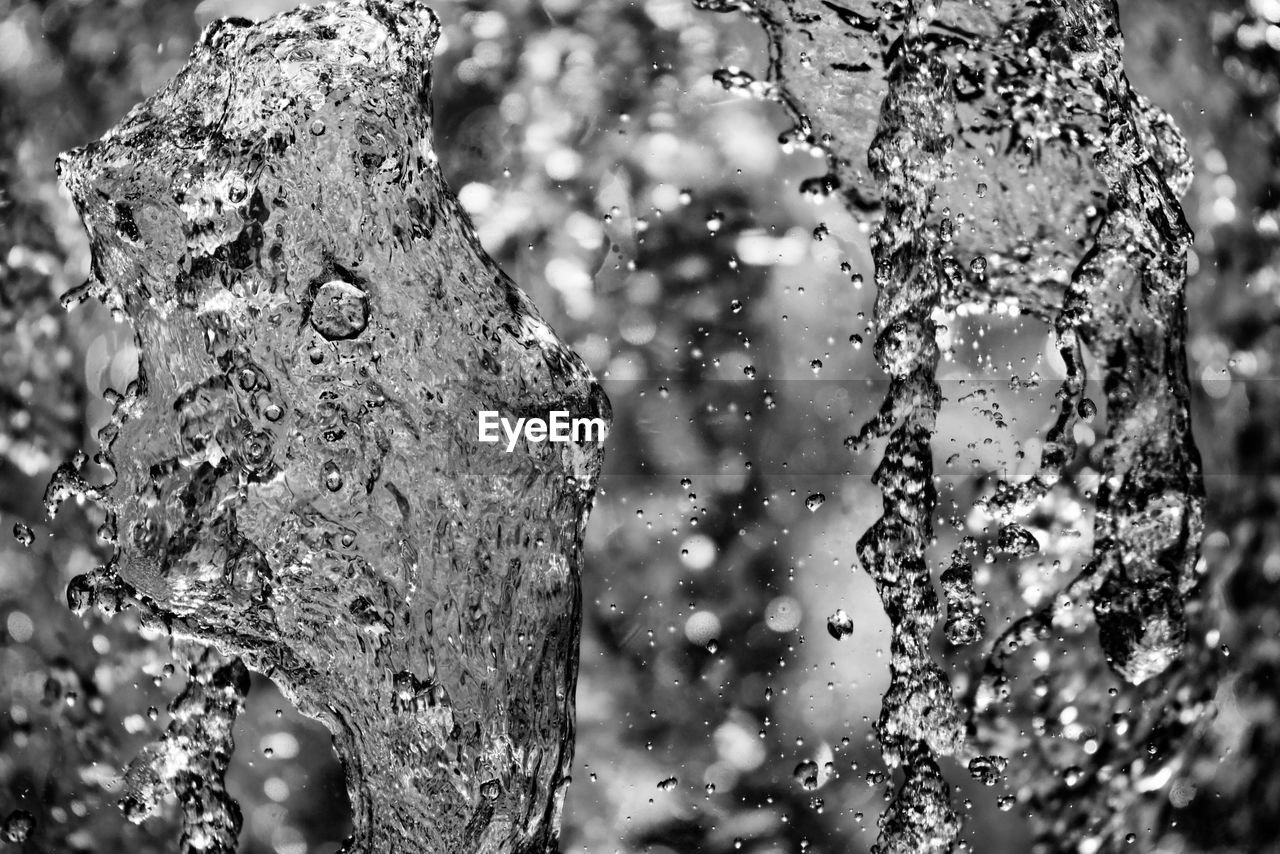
1087	408
17	826
814	501
317	127
818	188
982	189
490	789
840	624
735	306
987	769
815	366
750	371
23	534
806	774
714	222
669	784
255	452
978	266
1017	541
340	310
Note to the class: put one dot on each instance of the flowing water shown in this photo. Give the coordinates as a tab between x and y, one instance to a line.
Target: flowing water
293	477
1014	170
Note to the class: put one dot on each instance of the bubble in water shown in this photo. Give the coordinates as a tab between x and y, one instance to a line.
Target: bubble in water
332	476
840	624
978	266
340	310
814	501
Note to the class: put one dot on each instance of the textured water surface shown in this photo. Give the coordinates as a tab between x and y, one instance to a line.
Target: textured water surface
297	481
1013	170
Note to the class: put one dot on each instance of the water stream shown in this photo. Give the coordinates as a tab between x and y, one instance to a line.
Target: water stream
295	478
1013	169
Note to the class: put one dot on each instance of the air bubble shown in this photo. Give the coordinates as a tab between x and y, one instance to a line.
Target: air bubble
339	311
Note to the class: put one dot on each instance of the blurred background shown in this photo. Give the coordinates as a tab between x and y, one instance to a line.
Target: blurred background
657	222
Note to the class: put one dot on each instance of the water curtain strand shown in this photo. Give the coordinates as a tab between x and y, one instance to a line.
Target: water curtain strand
919	721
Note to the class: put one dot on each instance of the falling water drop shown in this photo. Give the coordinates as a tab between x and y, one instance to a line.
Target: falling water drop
987	769
840	624
806	774
17	826
23	534
1017	541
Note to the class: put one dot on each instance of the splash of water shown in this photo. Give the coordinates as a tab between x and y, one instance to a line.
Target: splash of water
295	479
192	760
1013	168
